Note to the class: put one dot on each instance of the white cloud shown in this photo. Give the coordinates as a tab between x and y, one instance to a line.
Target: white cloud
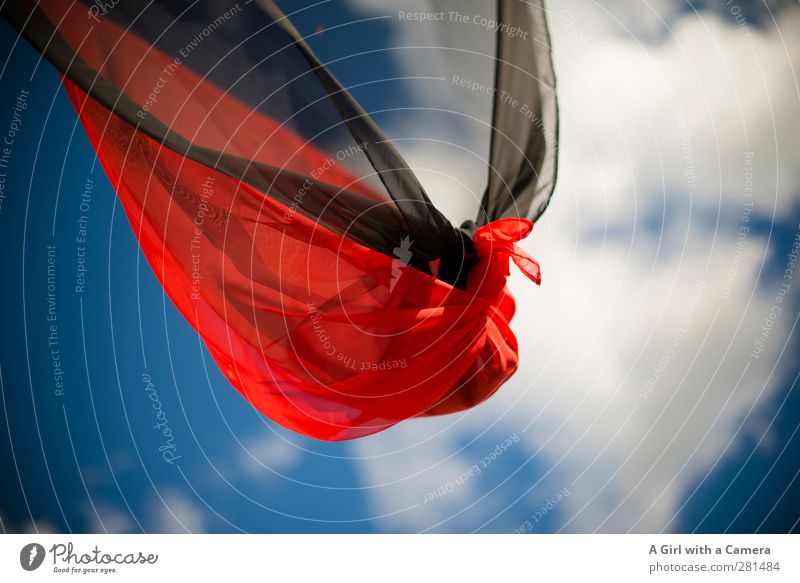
172	512
619	294
38	527
266	454
105	518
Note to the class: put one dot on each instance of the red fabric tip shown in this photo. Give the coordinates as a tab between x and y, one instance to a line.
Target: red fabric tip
499	238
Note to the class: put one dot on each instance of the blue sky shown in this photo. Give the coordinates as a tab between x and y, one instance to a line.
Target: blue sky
636	259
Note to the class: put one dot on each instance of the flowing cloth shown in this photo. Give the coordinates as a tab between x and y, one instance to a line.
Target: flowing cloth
282	223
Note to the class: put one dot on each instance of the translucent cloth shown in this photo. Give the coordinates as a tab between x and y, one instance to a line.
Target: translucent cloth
285	226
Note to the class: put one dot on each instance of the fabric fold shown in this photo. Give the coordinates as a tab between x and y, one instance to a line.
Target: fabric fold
285	226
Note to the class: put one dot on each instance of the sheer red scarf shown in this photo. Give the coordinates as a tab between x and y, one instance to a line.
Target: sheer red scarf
333	304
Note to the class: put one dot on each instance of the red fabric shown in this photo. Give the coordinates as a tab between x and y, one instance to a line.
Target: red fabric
189	104
499	238
322	335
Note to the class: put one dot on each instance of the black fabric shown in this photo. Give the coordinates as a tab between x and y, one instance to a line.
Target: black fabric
260	57
524	143
347	213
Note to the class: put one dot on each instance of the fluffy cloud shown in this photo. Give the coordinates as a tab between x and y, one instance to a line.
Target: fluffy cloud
637	373
267	454
172	512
